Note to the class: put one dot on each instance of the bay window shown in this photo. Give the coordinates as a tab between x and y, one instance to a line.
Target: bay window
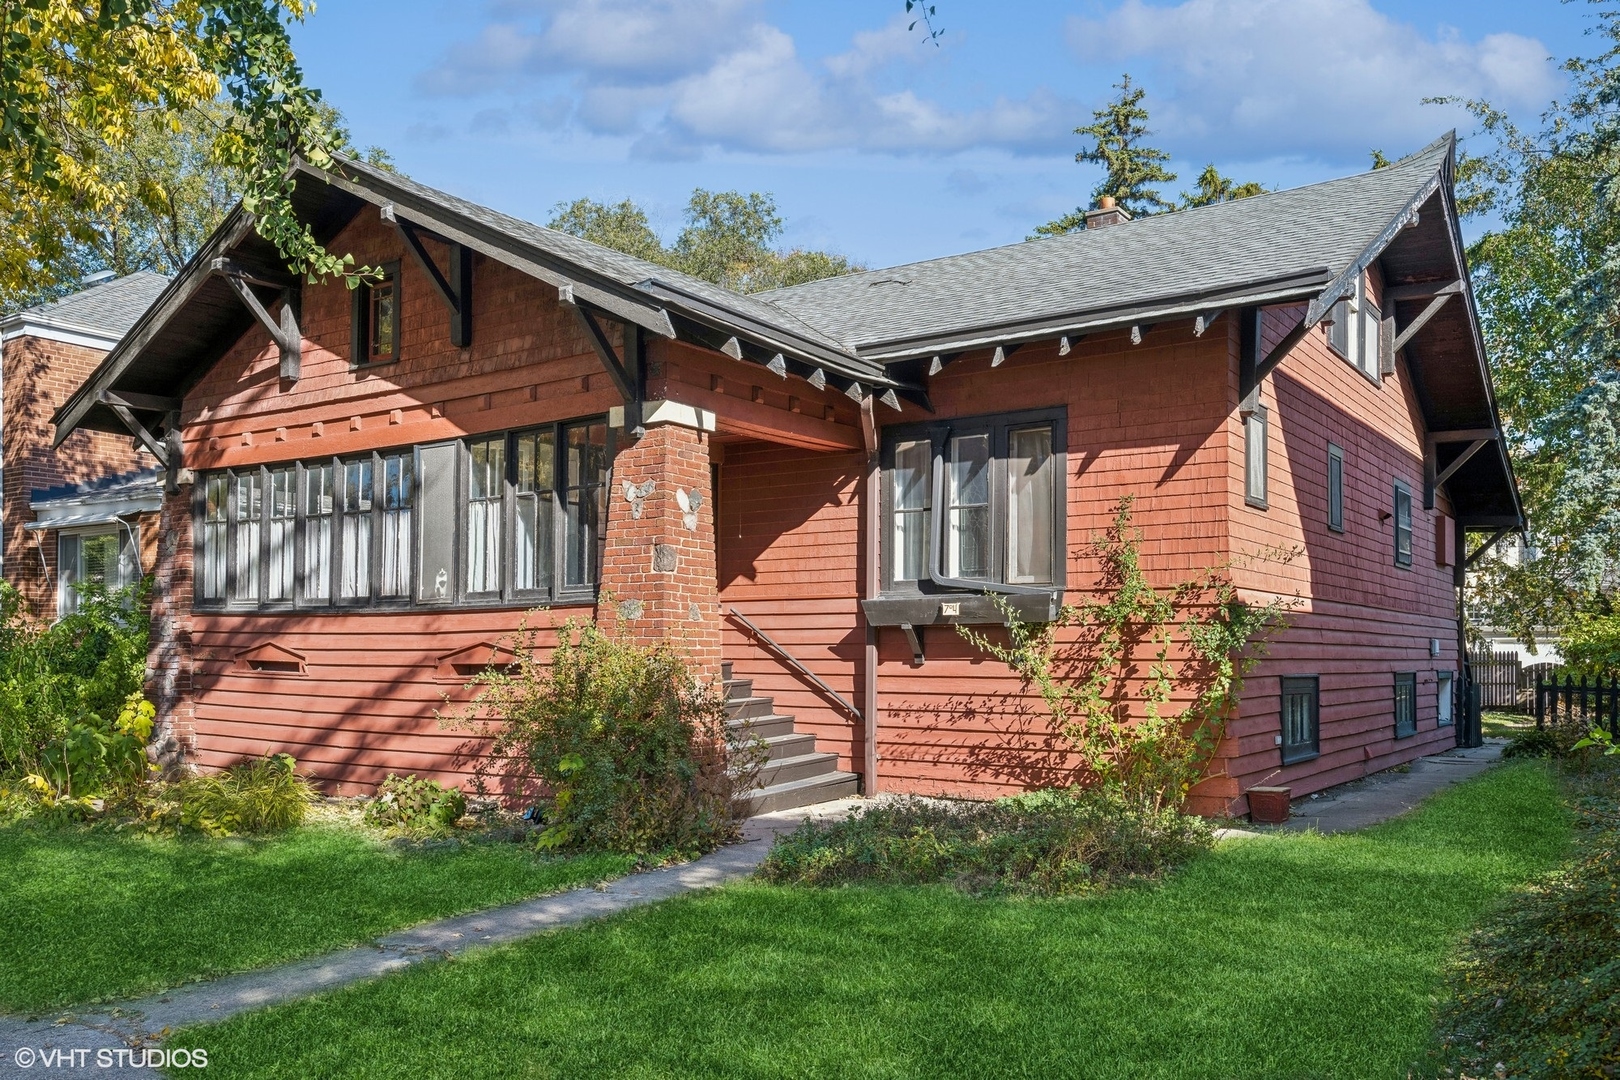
973	501
509	518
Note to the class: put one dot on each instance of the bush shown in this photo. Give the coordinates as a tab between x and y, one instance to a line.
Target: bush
409	803
65	689
1053	843
253	796
1591	646
628	751
1556	740
1538	985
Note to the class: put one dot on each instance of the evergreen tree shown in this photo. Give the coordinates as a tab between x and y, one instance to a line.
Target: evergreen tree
1216	188
1131	169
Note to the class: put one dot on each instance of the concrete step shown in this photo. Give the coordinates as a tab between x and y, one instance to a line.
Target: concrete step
739	708
824	787
738	688
786	746
766	727
784	770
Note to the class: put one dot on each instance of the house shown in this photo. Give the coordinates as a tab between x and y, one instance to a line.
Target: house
368	489
87	509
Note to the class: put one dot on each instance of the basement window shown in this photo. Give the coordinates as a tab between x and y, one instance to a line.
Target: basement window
376	308
1405	704
497	520
1301	711
981	497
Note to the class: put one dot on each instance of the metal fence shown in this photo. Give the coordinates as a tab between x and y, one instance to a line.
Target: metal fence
1571	700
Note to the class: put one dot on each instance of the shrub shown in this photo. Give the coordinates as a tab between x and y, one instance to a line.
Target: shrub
625	749
1052	843
1591	646
409	803
255	795
64	687
1556	740
1154	753
1537	986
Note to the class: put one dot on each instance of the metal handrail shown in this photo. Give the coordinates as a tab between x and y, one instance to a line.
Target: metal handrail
793	662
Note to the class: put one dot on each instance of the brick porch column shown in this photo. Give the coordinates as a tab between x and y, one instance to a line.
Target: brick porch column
170	657
659	562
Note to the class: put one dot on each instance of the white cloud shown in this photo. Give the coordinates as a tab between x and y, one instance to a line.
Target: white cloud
681	76
1330	78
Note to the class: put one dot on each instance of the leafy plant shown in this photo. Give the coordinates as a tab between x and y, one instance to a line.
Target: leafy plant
1558	739
625	748
1051	842
255	795
1536	986
66	689
412	803
1121	722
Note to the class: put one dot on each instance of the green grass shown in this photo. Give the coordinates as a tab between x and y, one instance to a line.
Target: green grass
1501	725
96	915
1282	956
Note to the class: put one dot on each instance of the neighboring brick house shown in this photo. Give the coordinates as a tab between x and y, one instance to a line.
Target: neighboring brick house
807	488
87	509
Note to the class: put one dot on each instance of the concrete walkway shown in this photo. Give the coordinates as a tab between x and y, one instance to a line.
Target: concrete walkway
95	1035
89	1037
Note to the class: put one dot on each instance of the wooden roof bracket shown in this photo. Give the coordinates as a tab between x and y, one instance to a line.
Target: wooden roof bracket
1477	438
1437	297
455	289
1495	538
142	434
628	378
284	330
1202	322
1252	369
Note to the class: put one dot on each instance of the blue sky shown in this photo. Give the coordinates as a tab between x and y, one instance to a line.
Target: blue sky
882	146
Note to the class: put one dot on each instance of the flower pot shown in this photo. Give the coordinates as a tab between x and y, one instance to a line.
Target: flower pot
1268	805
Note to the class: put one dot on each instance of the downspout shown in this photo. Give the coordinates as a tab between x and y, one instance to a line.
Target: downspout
870	499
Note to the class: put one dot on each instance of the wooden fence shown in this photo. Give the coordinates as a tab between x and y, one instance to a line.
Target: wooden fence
1500	678
1583	700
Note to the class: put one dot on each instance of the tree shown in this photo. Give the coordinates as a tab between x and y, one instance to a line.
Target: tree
82	82
727	239
1130	168
1215	188
1547	283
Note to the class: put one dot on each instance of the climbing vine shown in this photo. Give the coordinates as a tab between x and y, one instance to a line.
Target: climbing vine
1154	753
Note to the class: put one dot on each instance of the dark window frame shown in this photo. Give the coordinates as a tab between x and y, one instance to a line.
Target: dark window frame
1262	418
1309	686
997	425
360	328
1401	524
1338	332
1406	694
1335	488
506	597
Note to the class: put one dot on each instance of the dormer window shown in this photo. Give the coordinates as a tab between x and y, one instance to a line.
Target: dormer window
1356	332
376	319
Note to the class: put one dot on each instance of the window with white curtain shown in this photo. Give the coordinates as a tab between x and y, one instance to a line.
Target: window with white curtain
508	518
986	493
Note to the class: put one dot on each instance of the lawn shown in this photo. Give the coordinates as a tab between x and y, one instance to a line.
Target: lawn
1282	956
1502	725
95	915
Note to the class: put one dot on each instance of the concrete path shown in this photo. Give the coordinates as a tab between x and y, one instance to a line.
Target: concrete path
78	1043
1384	795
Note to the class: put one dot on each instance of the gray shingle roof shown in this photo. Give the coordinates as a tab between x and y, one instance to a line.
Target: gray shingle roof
106	310
1287	234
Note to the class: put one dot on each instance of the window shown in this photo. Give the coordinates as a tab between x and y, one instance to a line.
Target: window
1356	332
107	558
375	319
1301	699
1405	704
977	499
216	500
1335	488
1403	524
1443	681
495	519
1254	457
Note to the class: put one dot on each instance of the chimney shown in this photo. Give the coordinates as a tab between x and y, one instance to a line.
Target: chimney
1106	214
